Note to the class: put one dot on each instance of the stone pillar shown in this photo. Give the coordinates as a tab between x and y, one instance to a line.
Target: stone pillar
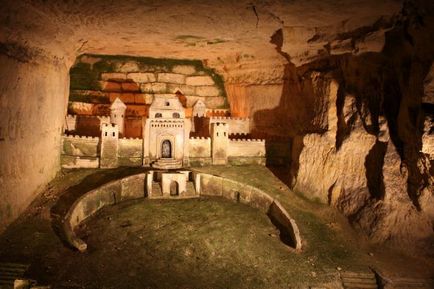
197	183
109	146
149	180
117	114
187	129
146	136
220	143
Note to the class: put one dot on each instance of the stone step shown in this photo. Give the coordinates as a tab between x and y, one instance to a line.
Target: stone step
359	280
167	164
168	161
9	272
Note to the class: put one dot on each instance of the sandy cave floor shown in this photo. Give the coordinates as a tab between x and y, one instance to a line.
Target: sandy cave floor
196	242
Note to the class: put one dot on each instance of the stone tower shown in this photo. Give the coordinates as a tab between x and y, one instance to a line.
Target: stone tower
117	114
220	143
109	146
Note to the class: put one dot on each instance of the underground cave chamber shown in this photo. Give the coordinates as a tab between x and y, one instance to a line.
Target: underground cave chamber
212	146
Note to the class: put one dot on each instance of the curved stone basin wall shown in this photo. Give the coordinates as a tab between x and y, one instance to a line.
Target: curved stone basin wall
133	187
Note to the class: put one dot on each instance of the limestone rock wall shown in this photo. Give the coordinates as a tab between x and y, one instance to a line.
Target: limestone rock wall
371	142
98	80
32	109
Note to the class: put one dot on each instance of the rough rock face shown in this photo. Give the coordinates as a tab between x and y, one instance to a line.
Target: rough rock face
335	175
376	151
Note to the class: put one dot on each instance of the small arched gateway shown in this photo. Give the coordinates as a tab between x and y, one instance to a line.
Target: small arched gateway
166	149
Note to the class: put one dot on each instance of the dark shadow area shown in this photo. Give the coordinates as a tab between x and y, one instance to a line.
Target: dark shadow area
201	127
286	233
374	170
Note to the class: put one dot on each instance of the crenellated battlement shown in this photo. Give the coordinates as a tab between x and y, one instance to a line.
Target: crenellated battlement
199	138
130	138
104	118
82	137
229	118
217	110
248	140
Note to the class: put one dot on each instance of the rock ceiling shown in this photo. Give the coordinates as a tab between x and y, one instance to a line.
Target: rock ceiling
228	35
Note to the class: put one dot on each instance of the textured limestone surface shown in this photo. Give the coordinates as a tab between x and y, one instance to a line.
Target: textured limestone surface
97	80
362	148
32	108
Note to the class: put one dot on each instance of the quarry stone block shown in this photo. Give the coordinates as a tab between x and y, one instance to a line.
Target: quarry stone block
156	87
209	90
110	86
184	89
184	69
215	101
143	98
126	97
113	76
129	66
192	99
199	80
130	86
142	77
171	78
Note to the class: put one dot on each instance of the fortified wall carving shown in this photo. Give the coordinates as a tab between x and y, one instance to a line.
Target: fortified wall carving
170	139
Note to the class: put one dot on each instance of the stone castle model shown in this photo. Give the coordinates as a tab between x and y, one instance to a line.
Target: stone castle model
170	140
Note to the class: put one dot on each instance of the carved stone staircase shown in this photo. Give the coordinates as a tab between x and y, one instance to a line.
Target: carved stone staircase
359	280
167	163
9	272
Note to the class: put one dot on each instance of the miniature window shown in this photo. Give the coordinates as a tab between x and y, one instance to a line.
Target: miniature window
105	133
217	134
167	103
158	115
113	134
176	115
224	133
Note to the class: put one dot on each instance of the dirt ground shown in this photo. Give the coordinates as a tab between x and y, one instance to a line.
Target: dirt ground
195	243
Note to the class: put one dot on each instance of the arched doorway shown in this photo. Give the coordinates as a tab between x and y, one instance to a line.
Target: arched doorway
174	188
166	149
